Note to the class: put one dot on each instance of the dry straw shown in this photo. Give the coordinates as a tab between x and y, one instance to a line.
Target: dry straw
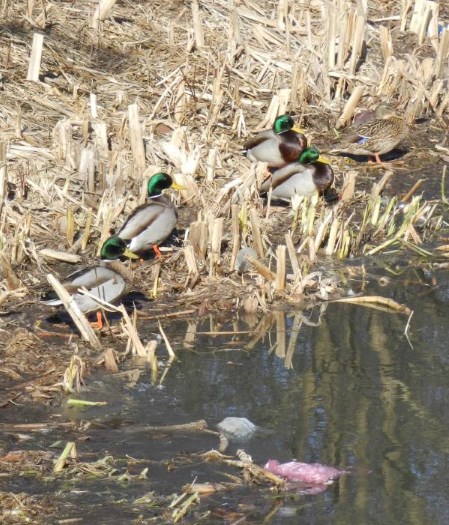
120	90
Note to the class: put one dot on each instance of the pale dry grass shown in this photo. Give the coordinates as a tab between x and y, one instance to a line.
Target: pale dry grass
177	86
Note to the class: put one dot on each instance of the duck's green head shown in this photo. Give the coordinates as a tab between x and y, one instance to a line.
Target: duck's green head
160	182
310	155
114	247
285	123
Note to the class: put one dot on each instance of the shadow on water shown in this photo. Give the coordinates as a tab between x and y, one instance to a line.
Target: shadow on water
339	384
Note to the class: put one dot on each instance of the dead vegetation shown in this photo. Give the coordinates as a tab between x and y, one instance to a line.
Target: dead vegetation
94	102
98	96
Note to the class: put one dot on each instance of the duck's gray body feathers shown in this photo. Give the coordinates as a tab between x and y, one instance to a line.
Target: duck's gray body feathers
149	224
275	149
299	179
108	281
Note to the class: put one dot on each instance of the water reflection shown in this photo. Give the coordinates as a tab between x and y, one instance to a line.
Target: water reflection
340	385
280	328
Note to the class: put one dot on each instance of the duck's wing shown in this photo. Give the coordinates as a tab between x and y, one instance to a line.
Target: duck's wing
141	219
293	179
289	172
101	282
359	140
108	291
259	139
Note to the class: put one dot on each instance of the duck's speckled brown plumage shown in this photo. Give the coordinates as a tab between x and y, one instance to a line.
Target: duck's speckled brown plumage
375	137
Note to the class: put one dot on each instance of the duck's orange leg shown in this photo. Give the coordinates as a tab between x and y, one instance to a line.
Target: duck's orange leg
376	160
98	324
156	250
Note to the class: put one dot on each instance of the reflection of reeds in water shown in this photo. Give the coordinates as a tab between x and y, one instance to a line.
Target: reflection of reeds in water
354	394
277	331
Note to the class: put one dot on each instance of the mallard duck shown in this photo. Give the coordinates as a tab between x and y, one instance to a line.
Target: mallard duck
311	173
376	136
362	117
277	146
109	280
151	223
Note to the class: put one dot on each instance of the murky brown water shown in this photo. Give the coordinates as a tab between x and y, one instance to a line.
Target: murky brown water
340	385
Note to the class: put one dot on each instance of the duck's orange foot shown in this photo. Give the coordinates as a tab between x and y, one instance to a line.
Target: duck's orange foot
156	250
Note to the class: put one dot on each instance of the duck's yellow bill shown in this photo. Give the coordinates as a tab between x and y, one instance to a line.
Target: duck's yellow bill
297	129
177	186
130	254
323	160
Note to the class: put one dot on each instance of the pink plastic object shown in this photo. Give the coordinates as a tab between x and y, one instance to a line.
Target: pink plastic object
310	474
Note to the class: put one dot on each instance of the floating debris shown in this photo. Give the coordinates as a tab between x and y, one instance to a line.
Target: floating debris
236	430
310	475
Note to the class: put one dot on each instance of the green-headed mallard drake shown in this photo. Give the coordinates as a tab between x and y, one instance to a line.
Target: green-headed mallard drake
376	136
109	280
151	223
311	173
277	146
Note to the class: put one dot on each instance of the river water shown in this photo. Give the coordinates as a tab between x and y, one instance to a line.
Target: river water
339	384
352	391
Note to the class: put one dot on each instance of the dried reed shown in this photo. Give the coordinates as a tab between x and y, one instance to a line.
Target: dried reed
99	115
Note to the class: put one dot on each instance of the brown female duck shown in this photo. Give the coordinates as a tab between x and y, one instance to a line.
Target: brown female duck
375	137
